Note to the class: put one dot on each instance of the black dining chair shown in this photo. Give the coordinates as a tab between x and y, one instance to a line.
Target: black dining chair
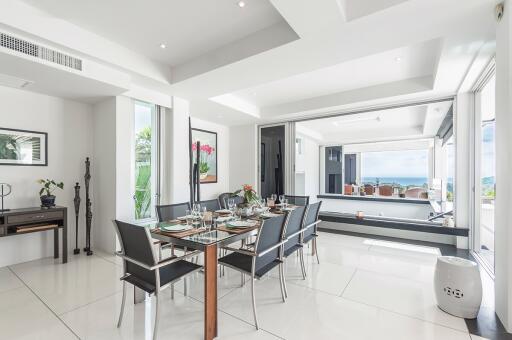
264	257
142	268
311	226
169	212
223	199
297	200
172	211
293	236
211	205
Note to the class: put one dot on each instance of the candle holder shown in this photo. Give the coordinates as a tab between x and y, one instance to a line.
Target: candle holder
4	193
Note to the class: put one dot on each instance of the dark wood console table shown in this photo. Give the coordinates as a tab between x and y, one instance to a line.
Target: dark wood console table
30	220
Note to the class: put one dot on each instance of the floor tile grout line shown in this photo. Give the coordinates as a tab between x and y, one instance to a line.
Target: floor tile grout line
48	307
405	315
90	303
250	324
348	283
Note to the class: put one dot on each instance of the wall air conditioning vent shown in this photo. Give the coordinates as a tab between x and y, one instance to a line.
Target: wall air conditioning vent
41	52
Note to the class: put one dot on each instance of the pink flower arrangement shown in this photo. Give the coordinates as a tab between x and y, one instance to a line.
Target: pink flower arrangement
206	152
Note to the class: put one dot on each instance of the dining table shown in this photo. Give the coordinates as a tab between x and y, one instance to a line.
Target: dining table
208	241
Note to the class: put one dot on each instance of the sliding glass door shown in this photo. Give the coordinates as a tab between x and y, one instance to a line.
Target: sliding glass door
485	170
145	167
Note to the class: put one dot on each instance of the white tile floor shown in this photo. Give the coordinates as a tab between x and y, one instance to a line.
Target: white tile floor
363	289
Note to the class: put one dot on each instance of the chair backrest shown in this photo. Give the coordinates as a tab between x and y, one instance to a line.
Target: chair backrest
294	224
136	244
311	217
270	234
172	211
211	205
385	190
298	200
415	193
223	199
369	189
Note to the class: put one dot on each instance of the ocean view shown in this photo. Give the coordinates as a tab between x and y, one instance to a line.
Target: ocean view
403	181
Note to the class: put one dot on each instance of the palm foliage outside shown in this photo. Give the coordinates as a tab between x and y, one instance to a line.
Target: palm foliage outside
143	174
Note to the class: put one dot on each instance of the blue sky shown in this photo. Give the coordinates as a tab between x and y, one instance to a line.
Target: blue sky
404	163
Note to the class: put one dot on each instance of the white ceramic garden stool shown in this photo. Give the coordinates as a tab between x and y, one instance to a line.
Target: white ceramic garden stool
458	286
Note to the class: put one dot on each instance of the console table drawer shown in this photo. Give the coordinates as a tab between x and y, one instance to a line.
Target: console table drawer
41	216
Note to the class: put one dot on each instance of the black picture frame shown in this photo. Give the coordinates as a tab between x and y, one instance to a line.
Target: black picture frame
216	151
42	135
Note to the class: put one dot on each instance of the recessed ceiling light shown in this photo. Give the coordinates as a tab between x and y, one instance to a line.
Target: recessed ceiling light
398	59
241	4
163	46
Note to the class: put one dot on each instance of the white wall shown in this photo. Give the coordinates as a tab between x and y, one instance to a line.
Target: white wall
68	125
503	212
243	156
309	164
213	190
103	175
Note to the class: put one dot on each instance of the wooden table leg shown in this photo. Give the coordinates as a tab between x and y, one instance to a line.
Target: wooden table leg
210	292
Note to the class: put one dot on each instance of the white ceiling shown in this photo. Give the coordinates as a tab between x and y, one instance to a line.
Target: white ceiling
188	28
407	62
272	60
420	121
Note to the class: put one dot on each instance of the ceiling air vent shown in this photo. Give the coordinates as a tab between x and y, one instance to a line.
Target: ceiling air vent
41	52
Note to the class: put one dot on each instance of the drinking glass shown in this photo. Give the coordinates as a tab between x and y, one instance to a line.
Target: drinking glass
195	208
231	205
285	203
189	217
273	197
208	220
281	199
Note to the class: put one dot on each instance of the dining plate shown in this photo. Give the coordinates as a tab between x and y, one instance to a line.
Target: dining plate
223	211
174	228
241	224
223	219
182	218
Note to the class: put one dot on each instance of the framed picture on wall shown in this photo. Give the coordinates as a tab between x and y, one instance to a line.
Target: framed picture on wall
207	154
23	147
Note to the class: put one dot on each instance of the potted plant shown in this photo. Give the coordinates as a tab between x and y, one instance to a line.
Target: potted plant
247	192
49	186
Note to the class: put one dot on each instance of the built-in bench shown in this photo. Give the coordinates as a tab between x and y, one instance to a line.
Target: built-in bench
390	223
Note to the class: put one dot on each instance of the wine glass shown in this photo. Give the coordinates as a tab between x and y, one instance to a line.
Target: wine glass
189	217
285	203
281	199
231	205
273	197
195	208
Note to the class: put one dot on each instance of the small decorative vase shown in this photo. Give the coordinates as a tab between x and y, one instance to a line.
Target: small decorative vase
47	201
203	175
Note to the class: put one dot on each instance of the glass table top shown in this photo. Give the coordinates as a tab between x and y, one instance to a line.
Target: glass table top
204	238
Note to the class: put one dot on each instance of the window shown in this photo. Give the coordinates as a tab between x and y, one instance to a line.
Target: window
146	160
404	168
485	171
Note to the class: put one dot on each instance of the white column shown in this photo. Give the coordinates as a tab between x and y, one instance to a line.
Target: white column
179	159
503	211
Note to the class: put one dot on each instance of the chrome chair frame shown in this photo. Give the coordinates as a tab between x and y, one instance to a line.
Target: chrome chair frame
155	268
255	255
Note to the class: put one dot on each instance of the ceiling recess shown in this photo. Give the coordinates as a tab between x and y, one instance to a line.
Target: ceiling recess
28	48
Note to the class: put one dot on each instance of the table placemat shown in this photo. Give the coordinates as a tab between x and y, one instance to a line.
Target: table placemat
180	234
222	227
